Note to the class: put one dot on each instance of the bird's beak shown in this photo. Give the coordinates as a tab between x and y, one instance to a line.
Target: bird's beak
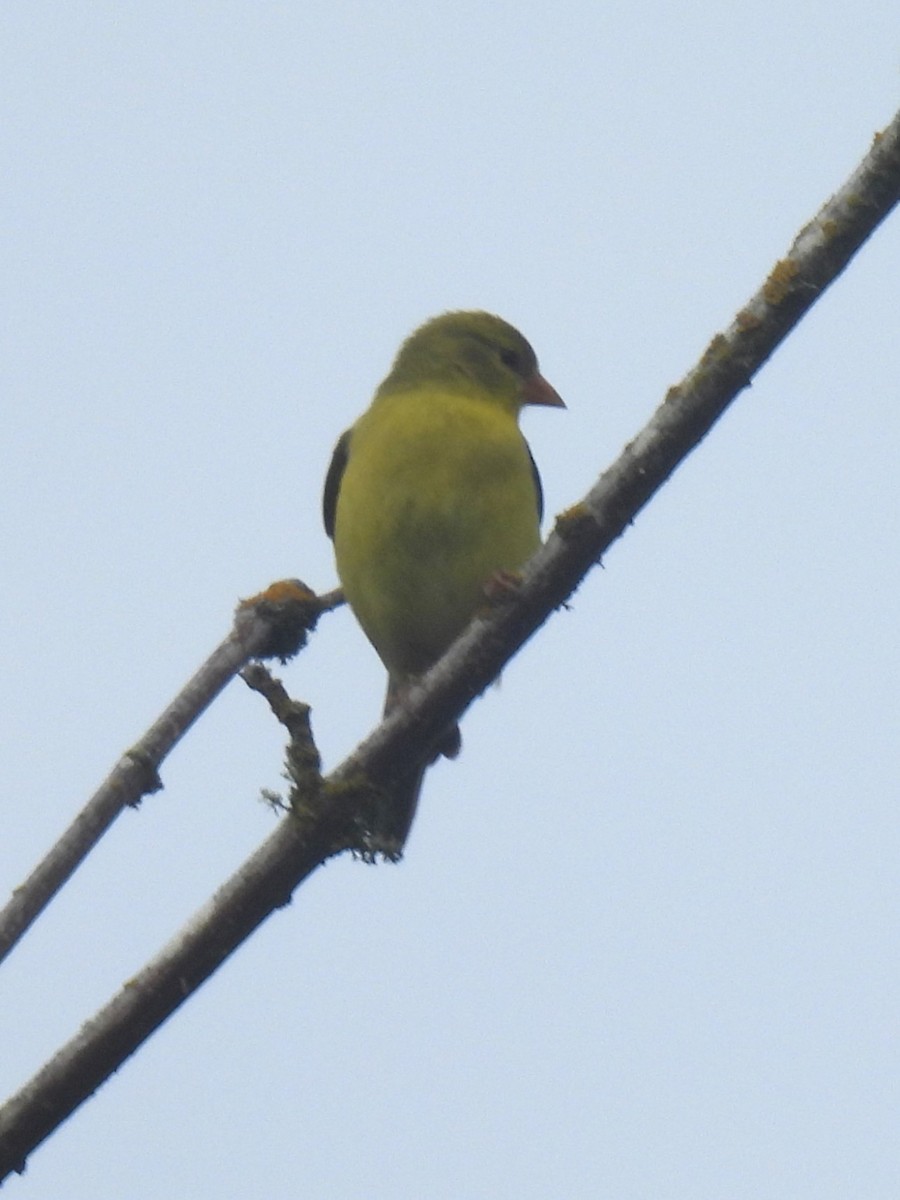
538	391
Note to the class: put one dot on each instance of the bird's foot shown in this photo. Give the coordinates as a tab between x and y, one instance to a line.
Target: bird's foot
502	585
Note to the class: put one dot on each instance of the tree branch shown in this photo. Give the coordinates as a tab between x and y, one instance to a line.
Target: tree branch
326	816
272	624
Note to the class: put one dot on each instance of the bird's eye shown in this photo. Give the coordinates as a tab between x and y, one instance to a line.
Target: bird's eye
510	359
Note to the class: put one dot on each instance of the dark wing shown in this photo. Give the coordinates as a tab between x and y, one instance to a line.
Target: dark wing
333	481
538	490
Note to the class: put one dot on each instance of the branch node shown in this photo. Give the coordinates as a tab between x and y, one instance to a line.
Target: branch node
289	610
146	769
576	524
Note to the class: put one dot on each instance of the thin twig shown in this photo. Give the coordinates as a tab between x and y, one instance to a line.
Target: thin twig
272	624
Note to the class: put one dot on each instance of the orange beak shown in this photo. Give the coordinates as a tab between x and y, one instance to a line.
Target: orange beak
538	391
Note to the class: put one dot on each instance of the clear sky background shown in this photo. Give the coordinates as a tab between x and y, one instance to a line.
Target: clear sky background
646	940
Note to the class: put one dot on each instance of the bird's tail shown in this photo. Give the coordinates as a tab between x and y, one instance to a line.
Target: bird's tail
405	792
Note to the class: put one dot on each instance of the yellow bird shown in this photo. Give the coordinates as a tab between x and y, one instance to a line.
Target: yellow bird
432	495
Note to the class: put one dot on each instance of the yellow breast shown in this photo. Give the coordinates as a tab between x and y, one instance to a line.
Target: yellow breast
438	494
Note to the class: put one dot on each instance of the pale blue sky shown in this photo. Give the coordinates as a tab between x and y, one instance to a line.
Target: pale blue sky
645	942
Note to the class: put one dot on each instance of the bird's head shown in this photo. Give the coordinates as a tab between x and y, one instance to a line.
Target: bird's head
473	351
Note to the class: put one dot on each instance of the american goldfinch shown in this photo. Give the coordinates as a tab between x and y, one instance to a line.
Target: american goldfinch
432	495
